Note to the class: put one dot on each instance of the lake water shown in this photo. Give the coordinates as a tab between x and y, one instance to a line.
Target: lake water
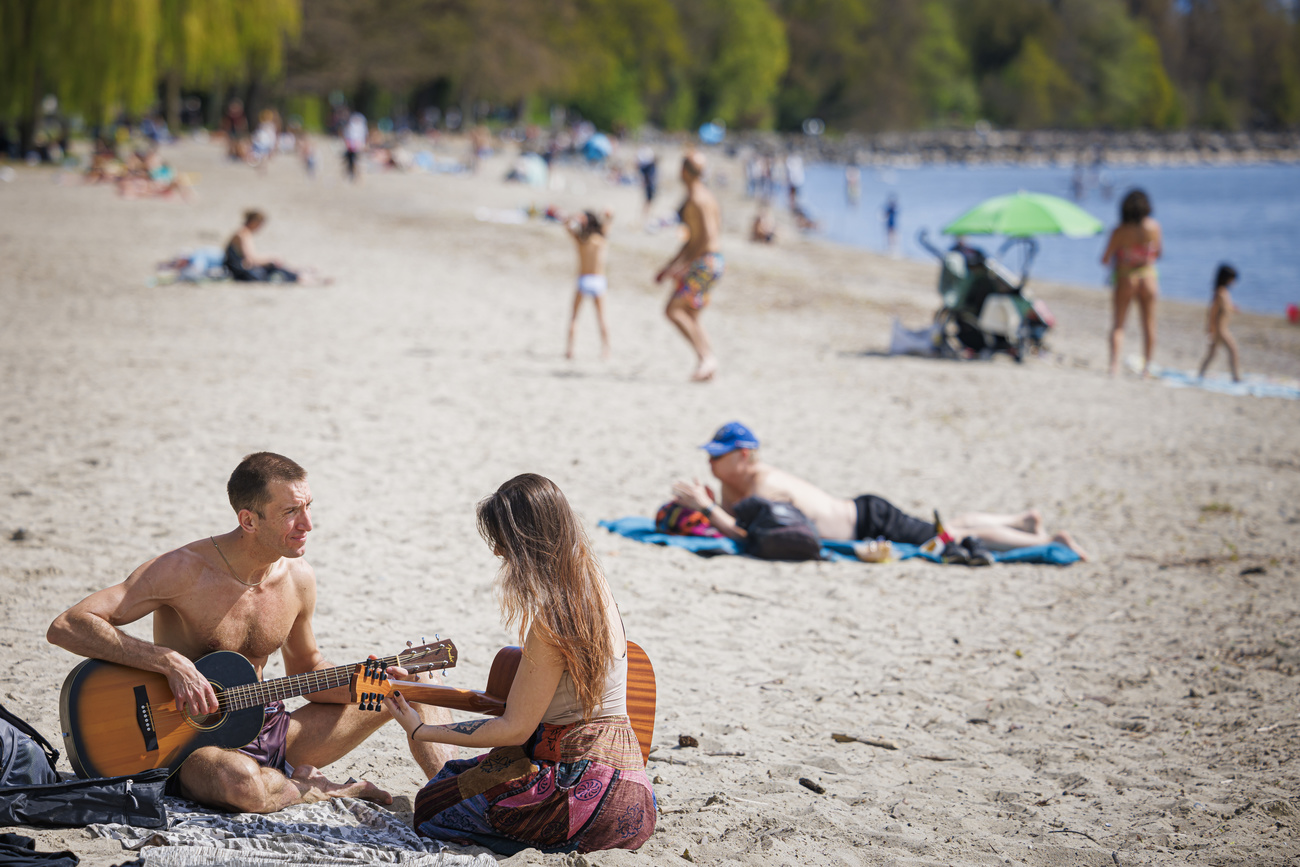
1248	216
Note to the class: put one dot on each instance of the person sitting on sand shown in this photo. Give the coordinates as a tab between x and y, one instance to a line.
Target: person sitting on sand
697	266
588	231
249	591
763	229
734	461
565	772
246	265
1216	321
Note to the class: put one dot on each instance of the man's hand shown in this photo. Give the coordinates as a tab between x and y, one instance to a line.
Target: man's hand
693	494
193	693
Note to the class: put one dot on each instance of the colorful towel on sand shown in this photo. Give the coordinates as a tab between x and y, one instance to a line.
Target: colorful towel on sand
643	530
343	832
575	788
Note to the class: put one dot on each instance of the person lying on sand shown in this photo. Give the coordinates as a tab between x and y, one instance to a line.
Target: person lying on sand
734	461
249	591
245	264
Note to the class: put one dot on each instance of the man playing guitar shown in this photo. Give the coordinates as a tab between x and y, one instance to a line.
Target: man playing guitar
249	591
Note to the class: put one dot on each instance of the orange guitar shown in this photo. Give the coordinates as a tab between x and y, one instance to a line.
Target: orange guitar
121	720
372	685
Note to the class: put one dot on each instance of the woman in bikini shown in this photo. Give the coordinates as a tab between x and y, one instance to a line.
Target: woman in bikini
565	773
1134	246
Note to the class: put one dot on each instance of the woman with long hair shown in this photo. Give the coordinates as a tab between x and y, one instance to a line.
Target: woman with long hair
565	773
1134	246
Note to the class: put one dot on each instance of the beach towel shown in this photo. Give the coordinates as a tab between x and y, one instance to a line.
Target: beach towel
643	530
1251	385
342	832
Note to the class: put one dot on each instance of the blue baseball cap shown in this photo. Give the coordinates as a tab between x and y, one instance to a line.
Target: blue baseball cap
730	436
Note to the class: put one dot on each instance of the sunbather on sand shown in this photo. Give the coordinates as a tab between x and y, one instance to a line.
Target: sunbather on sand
734	461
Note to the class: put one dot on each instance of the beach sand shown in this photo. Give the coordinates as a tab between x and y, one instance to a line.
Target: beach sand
1137	709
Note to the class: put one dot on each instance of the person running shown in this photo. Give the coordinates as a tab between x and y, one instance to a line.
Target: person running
588	232
564	772
734	461
697	267
248	591
1132	251
1216	321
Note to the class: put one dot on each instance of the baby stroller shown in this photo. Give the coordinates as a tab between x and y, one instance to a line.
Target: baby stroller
985	309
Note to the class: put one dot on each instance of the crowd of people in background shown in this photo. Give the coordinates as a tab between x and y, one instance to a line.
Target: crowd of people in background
129	158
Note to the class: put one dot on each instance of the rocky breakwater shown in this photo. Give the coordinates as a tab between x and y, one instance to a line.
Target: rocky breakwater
1042	147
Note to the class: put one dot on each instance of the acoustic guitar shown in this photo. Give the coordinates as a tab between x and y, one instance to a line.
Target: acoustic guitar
121	720
372	685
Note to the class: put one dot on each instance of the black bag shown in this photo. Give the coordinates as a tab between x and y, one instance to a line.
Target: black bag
31	792
776	531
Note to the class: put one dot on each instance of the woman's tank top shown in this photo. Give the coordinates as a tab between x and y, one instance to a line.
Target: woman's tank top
565	709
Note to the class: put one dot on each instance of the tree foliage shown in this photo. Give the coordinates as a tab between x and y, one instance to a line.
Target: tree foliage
856	64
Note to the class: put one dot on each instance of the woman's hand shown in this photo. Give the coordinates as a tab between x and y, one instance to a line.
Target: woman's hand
406	716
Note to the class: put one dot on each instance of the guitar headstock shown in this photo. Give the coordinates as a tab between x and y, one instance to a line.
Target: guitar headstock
428	657
370	683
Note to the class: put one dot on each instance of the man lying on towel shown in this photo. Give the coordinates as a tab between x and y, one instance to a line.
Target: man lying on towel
734	461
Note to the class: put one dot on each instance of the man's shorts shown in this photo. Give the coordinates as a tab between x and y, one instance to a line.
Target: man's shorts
699	278
268	749
879	518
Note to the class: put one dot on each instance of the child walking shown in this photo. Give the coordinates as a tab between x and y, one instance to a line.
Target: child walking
588	231
1216	321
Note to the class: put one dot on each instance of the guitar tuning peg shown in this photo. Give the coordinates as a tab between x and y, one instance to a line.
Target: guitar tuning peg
410	644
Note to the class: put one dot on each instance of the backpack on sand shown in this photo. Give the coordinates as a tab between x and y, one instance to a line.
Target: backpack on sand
31	792
776	531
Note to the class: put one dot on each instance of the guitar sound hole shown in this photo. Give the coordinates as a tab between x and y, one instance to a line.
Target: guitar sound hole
207	720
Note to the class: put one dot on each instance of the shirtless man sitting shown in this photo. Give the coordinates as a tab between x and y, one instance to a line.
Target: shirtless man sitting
249	591
734	460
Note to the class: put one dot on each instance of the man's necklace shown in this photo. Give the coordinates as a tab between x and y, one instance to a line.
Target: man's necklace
232	568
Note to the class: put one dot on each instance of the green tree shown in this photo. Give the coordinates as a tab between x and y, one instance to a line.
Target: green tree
94	57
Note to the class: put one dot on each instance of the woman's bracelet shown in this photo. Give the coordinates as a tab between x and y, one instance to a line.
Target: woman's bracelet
414	730
707	510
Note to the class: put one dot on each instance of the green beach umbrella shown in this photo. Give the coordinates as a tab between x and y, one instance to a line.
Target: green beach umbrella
1024	214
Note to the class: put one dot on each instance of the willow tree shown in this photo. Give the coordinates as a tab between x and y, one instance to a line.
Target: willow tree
95	57
209	42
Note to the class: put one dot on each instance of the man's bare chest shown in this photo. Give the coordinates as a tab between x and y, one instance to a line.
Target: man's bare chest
254	624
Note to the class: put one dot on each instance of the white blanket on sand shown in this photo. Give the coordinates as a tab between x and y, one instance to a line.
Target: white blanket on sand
345	832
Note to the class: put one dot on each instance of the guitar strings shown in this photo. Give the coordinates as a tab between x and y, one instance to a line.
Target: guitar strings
241	695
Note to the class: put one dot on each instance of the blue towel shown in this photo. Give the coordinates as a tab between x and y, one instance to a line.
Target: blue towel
643	530
1252	385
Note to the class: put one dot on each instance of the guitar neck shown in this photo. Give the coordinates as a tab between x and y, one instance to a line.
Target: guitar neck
471	700
266	691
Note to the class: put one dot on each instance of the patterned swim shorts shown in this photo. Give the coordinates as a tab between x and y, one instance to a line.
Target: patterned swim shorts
699	278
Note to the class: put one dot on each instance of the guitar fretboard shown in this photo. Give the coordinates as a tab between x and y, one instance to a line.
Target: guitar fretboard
267	691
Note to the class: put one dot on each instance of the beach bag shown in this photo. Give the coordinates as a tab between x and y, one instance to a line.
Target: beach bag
31	792
776	531
677	520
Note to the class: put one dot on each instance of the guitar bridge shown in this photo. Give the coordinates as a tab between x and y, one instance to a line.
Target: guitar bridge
144	719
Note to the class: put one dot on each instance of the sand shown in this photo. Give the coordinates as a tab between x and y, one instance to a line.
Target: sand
1137	709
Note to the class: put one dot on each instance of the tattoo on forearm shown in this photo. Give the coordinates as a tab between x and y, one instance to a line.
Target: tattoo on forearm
466	728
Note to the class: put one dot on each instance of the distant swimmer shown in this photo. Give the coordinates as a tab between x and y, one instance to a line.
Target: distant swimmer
697	267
